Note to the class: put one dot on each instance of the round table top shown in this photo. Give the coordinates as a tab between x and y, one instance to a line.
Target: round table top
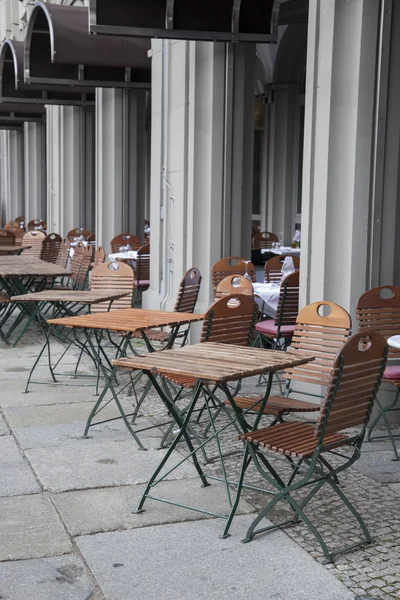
394	341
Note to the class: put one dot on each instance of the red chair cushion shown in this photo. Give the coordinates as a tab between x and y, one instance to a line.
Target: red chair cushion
269	329
392	373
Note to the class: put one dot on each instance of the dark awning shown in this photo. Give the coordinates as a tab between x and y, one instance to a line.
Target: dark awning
16	124
59	50
14	89
216	20
21	112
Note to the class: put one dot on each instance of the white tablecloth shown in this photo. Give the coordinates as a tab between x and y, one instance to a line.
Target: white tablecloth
131	255
268	297
286	250
394	341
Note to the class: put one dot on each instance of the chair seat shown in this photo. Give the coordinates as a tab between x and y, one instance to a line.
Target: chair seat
153	336
181	380
295	439
276	405
143	283
392	373
269	329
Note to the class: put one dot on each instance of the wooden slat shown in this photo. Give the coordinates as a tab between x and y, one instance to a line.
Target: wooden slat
81	297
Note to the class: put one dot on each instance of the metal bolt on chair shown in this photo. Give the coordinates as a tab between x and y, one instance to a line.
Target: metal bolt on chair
353	384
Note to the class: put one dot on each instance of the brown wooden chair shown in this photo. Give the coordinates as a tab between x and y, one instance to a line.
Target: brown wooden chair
121	240
273	268
352	387
110	277
18	232
322	335
277	333
264	239
234	284
7	238
35	240
20	220
99	257
51	248
142	271
79	269
36	224
379	309
76	233
231	265
185	302
63	255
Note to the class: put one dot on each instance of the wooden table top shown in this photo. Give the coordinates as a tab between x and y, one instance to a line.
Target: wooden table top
13	249
128	319
215	363
18	267
81	297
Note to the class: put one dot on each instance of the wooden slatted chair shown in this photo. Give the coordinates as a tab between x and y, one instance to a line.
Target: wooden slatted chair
76	233
51	248
36	224
83	273
277	333
351	391
99	257
34	239
19	220
122	240
142	272
7	238
379	309
63	255
79	269
18	232
231	265
273	268
234	284
185	302
322	335
263	239
112	277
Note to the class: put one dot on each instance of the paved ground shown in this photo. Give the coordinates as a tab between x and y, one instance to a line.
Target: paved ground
68	530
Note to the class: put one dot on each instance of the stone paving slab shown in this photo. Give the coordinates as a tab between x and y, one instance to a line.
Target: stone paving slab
98	464
3	428
108	509
13	394
188	561
56	578
30	528
395	487
379	466
16	477
62	435
57	414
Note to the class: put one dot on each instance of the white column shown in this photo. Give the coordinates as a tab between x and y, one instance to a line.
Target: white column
89	204
12	173
35	171
201	172
337	150
120	160
65	168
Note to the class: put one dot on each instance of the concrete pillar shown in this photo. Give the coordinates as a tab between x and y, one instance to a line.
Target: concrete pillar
120	163
338	138
201	172
35	171
65	168
12	174
89	205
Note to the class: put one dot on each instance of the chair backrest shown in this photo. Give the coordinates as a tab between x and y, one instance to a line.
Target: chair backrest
18	232
20	220
355	380
84	266
99	256
264	239
76	261
230	320
75	233
273	268
142	272
234	284
288	303
63	254
7	237
36	224
51	247
231	265
321	329
34	239
112	277
121	240
188	291
379	309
